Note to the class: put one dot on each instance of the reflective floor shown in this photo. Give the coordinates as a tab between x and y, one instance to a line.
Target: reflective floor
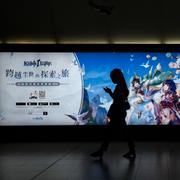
71	161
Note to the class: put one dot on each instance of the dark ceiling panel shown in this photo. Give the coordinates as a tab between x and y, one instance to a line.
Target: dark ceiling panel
26	19
62	21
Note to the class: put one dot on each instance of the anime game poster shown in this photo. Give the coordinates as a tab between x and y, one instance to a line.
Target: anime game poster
67	88
39	88
153	80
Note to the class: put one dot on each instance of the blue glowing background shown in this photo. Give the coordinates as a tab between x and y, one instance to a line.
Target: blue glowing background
97	67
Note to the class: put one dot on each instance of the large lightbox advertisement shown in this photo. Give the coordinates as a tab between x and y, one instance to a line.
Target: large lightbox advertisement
67	88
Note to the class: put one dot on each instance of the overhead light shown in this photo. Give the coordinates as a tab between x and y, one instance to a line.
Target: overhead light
136	41
29	41
84	42
172	41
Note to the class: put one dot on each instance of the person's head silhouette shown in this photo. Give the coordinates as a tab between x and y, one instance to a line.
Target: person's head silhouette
116	76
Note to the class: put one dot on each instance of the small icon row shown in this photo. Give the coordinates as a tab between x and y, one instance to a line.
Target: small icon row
37	83
37	103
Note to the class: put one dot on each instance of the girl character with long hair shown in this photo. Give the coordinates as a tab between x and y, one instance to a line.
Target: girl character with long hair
117	114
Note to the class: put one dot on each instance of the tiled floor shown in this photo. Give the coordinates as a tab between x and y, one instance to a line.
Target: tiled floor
71	161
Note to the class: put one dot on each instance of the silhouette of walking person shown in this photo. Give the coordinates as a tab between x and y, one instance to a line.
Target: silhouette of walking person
117	114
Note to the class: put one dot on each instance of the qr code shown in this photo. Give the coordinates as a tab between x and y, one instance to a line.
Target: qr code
42	94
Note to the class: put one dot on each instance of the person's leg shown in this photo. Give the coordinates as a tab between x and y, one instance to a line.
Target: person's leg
131	143
105	143
107	138
132	152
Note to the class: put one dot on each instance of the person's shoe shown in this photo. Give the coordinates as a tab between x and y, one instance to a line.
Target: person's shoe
97	154
130	155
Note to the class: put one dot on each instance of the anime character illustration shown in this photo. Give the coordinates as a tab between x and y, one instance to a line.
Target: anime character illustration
168	105
154	99
153	80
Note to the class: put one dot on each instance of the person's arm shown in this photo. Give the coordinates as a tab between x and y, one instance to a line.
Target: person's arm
108	90
116	95
126	91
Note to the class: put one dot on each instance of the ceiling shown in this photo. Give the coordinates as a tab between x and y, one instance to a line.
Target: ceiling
75	21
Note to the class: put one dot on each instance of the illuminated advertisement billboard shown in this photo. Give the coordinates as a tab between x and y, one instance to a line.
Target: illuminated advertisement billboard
67	88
